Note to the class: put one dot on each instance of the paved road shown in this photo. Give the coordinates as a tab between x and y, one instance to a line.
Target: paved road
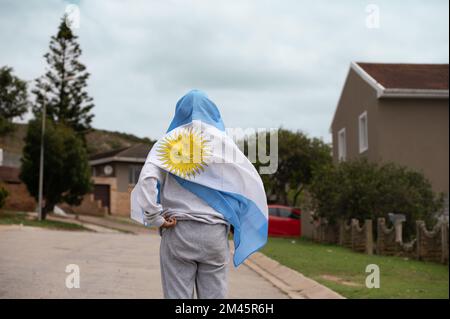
112	265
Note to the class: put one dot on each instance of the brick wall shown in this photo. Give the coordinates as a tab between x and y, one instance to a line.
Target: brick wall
356	237
388	245
325	233
432	245
89	206
345	234
19	199
122	200
429	245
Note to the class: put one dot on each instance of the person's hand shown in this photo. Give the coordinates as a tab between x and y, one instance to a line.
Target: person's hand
169	223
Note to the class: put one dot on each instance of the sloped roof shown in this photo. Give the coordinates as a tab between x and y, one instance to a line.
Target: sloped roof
408	76
134	154
403	80
107	154
398	80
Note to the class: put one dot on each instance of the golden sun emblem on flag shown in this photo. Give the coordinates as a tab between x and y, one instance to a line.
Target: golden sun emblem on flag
184	153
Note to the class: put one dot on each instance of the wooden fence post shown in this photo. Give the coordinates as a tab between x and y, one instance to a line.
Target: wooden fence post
353	224
341	232
419	239
444	245
369	236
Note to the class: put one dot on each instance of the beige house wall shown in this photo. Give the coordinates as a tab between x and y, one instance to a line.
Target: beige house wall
119	200
410	132
357	97
122	172
414	133
123	202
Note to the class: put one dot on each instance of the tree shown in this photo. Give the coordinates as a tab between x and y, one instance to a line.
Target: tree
66	169
364	190
298	157
13	98
64	84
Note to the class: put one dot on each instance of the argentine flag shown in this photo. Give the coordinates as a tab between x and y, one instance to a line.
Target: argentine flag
198	153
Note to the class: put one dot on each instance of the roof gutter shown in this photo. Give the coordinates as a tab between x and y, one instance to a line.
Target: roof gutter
414	93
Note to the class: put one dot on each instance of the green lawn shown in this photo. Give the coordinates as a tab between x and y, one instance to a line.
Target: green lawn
17	218
344	270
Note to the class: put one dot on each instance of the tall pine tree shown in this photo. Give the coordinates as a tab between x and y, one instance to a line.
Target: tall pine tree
64	84
68	105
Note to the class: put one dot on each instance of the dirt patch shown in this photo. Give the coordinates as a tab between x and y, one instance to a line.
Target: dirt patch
340	281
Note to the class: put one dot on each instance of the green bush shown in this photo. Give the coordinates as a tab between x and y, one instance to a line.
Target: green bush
3	194
363	190
298	156
5	126
66	167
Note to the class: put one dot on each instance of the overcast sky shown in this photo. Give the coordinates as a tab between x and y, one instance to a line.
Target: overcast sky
264	63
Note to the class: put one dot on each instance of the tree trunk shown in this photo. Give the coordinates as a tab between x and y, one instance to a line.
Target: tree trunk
299	191
284	198
48	208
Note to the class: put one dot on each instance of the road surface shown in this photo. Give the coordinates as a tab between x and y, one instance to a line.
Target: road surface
33	264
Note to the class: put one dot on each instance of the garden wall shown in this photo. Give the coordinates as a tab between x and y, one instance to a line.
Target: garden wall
428	245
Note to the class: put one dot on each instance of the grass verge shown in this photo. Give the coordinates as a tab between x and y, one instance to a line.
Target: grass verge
17	218
343	270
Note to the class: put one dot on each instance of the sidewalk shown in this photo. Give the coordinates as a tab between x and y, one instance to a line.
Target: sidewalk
109	223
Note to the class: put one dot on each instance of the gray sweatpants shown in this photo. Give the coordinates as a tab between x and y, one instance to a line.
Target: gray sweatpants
194	255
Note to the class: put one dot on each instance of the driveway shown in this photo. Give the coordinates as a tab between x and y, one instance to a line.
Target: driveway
112	265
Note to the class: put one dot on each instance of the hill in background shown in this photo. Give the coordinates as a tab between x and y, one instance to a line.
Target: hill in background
98	141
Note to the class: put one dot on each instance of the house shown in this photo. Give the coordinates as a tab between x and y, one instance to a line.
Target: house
18	197
114	174
396	113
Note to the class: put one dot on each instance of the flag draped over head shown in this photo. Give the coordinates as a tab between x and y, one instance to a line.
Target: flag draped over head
203	159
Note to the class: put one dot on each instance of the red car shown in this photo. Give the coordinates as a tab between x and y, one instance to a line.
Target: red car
284	221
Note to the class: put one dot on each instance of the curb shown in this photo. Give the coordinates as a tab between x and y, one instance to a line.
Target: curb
289	281
90	226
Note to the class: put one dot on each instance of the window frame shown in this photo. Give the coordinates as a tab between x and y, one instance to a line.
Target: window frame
132	177
342	144
363	132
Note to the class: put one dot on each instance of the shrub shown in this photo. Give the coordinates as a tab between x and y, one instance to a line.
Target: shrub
66	168
363	190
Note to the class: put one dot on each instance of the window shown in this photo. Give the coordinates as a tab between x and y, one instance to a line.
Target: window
273	211
285	212
288	213
342	145
133	174
363	133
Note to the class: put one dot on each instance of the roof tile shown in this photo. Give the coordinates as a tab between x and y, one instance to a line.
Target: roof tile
408	76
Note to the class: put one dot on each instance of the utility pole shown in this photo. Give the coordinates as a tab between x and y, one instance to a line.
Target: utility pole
41	162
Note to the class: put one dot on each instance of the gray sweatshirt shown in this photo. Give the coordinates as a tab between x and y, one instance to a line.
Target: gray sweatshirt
175	200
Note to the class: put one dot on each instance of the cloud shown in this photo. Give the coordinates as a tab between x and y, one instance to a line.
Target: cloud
265	63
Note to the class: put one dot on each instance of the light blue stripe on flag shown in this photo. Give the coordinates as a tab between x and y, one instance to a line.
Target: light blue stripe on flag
240	212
